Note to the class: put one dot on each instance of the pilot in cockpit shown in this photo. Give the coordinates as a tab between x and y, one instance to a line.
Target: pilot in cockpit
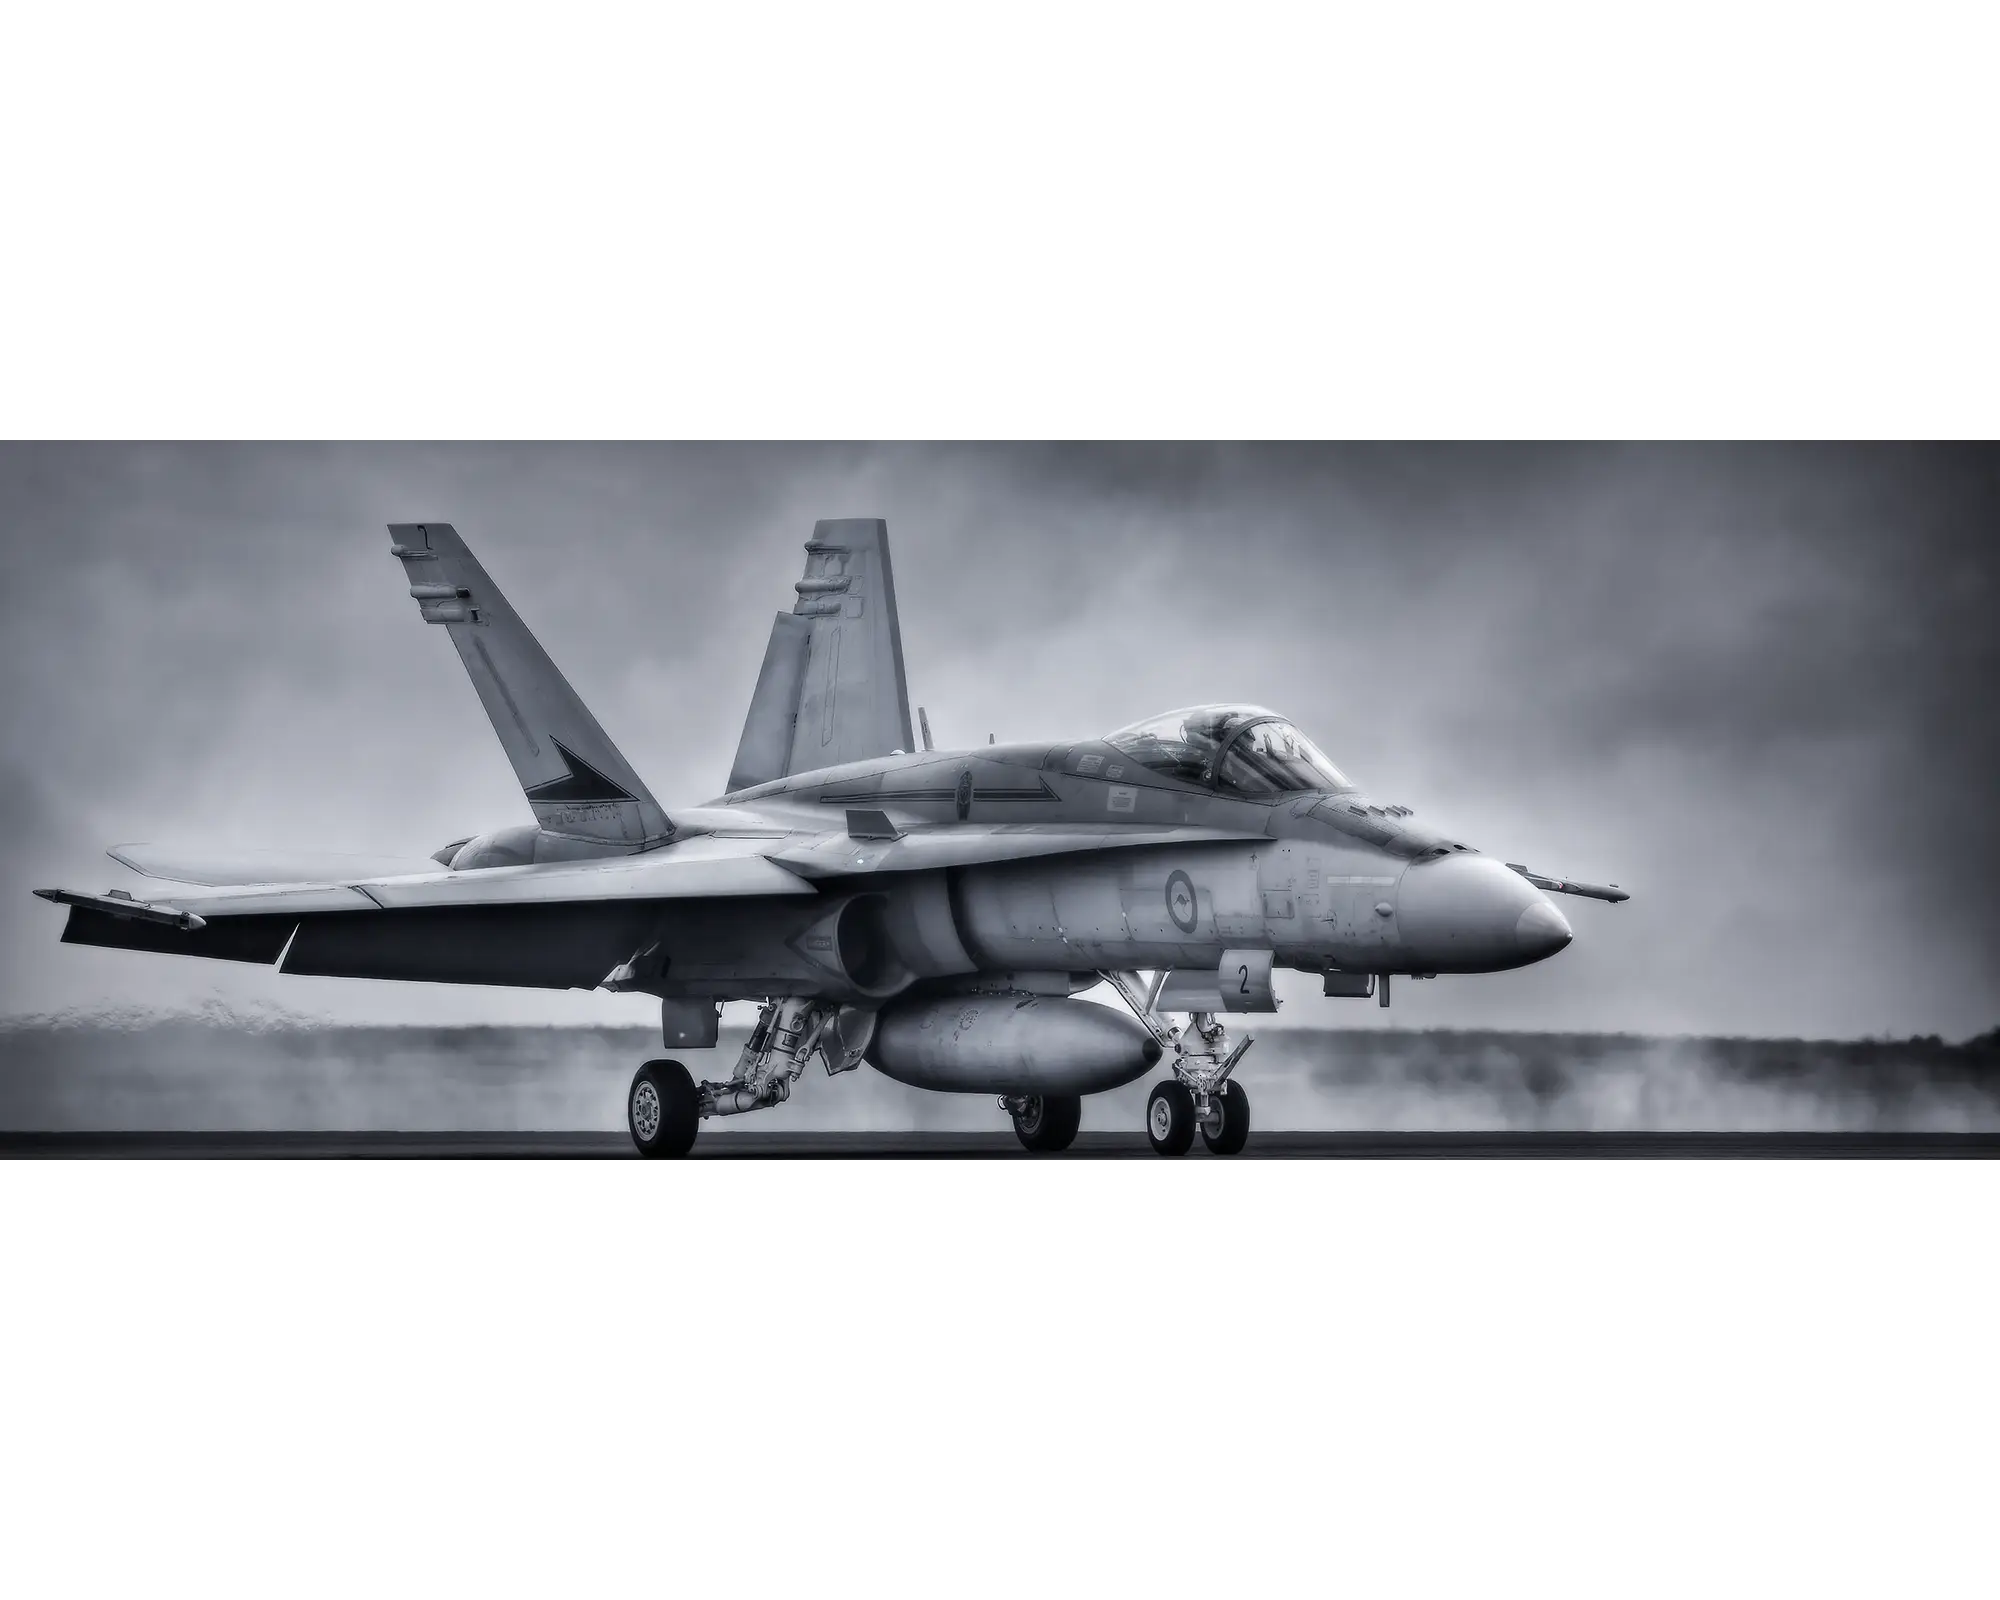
1243	750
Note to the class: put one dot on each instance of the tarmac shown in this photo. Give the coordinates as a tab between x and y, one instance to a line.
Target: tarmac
1003	1145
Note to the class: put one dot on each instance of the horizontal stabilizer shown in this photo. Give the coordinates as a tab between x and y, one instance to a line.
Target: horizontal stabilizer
223	867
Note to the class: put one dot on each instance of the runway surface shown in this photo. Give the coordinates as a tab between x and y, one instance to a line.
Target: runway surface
958	1146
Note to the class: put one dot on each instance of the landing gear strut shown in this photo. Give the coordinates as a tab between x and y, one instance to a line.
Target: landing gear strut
1199	1096
1045	1122
665	1106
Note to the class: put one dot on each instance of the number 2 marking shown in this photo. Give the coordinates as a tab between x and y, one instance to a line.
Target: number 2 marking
1244	973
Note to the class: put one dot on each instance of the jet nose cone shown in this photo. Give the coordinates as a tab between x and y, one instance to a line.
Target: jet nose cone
1468	913
1542	931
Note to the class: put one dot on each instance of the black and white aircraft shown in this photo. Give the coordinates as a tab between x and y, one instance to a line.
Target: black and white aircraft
931	913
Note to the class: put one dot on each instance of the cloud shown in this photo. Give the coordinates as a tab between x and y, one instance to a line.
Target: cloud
1750	683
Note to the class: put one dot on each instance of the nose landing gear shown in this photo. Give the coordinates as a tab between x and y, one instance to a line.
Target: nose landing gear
1170	1118
1200	1095
1227	1127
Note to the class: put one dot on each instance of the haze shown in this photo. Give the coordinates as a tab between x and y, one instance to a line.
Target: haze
1753	685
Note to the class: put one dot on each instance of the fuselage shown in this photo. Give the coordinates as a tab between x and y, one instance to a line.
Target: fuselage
1323	879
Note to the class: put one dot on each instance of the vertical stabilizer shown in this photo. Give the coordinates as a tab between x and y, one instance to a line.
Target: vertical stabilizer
574	777
831	689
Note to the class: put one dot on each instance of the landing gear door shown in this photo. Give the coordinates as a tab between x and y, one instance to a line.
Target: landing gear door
1246	981
1241	983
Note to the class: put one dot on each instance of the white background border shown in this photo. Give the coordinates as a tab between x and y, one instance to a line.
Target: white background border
891	221
879	221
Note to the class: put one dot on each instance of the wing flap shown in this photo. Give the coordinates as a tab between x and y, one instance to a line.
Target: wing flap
552	946
557	926
258	939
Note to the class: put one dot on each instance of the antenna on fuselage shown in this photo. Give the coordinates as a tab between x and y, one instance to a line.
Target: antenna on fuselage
924	725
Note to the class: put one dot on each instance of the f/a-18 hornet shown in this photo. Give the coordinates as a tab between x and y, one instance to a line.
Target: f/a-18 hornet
932	913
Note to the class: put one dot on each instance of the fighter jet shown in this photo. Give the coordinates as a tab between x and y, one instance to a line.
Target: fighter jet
934	914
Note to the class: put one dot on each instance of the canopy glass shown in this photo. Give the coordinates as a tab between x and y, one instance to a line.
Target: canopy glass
1242	750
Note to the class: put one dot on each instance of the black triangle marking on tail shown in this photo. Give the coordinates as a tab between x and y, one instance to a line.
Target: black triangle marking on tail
581	784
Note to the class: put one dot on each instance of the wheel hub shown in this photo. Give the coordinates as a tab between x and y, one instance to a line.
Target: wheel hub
645	1111
1162	1117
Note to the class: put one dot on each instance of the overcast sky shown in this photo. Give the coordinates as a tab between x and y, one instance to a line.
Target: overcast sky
1756	686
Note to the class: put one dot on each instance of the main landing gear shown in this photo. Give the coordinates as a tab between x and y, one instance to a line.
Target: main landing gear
663	1109
1200	1097
1044	1122
665	1106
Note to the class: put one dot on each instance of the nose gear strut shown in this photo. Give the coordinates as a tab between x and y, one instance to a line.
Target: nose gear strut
1200	1094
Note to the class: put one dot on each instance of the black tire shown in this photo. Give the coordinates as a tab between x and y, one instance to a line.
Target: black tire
1170	1118
663	1101
1234	1103
1048	1122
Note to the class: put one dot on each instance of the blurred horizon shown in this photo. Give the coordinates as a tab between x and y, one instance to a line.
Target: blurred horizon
739	1015
204	1074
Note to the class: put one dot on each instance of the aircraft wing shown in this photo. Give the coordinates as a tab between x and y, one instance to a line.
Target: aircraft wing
563	925
223	868
556	925
698	868
837	855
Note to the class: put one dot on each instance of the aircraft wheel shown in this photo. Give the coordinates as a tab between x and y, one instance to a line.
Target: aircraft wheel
1170	1118
662	1109
1048	1122
1232	1127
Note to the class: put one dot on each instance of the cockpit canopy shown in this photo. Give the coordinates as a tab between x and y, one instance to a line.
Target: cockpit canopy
1242	750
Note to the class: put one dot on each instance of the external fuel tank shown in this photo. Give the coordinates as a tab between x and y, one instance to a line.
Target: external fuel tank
1010	1043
